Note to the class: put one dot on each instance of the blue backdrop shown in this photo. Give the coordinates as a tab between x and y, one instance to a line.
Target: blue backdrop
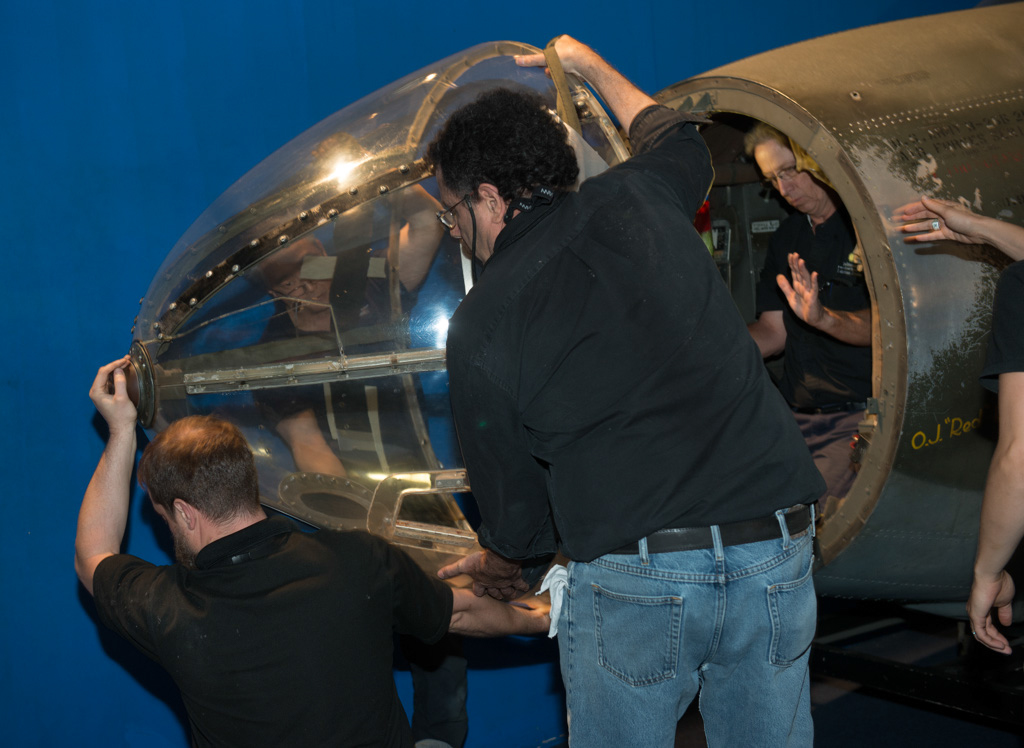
120	122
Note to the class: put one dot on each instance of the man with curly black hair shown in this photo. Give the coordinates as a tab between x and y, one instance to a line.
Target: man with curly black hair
508	140
603	385
508	146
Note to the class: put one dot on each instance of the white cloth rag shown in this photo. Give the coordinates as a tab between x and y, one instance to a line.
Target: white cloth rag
556	580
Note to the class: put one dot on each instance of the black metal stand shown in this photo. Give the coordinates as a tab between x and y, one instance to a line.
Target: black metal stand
921	659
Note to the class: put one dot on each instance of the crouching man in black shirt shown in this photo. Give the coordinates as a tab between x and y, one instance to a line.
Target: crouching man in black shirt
275	637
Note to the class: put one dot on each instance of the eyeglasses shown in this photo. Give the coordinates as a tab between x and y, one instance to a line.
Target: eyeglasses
784	175
297	288
291	287
447	216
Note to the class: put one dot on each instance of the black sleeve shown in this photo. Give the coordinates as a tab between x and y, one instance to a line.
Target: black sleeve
668	146
1006	346
652	124
122	588
516	517
422	605
768	294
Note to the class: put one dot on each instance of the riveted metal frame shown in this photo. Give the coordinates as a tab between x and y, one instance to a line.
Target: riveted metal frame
735	95
250	253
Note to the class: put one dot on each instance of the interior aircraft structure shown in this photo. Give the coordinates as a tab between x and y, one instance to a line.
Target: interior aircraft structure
309	303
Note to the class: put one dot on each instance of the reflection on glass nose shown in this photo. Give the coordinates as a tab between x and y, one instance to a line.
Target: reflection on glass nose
297	287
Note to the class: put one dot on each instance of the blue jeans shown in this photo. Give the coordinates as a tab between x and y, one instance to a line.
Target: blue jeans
640	635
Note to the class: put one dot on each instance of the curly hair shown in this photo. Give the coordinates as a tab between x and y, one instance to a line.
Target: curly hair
204	461
507	138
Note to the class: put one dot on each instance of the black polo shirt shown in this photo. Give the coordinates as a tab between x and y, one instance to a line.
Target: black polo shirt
278	637
603	383
1006	346
818	370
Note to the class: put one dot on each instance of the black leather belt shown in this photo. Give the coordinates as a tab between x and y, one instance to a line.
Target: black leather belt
830	408
674	539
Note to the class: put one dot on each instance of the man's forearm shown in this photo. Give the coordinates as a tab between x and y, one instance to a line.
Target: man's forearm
485	616
104	512
769	333
1002	512
847	327
1004	236
623	98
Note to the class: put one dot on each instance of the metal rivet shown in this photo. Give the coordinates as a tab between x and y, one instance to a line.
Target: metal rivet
160	336
383	189
303	216
192	301
354	191
234	268
283	239
855	95
209	273
404	169
173	306
254	243
332	213
156	325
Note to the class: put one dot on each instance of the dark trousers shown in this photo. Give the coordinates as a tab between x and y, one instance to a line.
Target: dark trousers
438	689
829	437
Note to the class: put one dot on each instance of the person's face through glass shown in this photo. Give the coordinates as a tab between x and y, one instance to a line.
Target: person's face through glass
296	275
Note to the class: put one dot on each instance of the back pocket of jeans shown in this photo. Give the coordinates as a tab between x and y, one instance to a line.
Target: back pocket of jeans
637	636
793	608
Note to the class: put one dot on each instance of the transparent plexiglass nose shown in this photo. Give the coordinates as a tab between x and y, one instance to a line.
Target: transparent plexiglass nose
309	305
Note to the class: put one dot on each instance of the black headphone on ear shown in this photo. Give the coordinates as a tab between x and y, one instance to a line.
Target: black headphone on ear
542	195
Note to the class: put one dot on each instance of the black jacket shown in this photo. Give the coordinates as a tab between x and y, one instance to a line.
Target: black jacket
603	383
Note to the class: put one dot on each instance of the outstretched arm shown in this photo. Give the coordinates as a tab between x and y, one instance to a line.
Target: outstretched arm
802	294
946	219
484	616
1002	519
625	100
104	513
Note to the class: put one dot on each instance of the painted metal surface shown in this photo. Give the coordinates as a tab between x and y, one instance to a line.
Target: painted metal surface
934	106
